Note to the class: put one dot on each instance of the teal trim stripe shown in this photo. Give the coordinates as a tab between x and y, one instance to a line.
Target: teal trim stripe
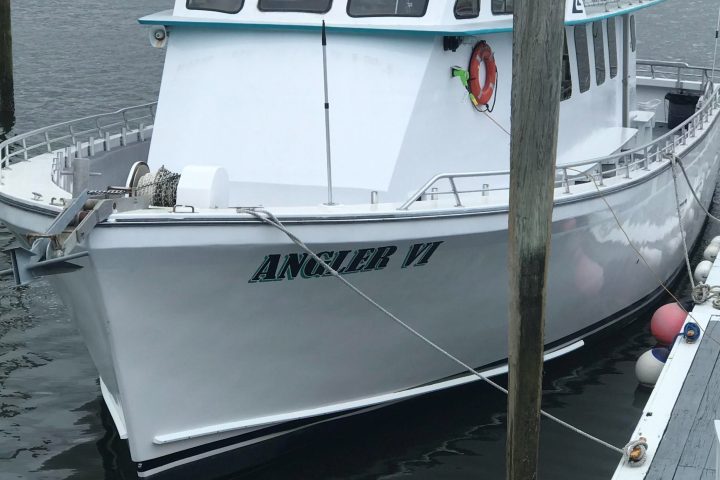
614	14
379	30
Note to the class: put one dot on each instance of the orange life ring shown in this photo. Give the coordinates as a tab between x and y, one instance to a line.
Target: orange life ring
482	53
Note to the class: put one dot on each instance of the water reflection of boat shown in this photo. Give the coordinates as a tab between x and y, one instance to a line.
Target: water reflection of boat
212	331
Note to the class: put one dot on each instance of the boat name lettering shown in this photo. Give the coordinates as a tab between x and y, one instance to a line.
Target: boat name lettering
276	267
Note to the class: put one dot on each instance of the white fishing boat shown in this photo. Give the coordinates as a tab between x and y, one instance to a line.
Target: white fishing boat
386	151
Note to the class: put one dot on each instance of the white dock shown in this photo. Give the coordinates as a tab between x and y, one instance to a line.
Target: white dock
679	418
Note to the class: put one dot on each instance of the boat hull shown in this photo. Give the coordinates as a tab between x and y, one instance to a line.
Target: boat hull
205	331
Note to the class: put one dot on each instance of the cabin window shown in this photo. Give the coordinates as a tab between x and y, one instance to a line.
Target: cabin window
387	8
223	6
501	7
583	60
566	86
612	46
310	6
633	40
467	8
599	47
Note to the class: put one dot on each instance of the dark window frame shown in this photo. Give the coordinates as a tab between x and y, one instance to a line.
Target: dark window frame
188	7
349	3
612	46
463	17
298	10
566	82
599	50
585	57
633	36
505	10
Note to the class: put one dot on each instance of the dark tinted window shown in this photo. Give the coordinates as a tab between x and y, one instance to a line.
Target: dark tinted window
387	8
501	7
566	86
633	40
599	46
583	61
224	6
467	8
312	6
612	46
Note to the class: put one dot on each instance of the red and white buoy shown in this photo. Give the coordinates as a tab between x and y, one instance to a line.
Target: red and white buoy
667	322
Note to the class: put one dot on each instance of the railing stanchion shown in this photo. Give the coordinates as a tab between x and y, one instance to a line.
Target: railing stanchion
47	141
565	181
91	147
627	167
458	203
123	136
72	134
106	142
24	144
141	132
646	158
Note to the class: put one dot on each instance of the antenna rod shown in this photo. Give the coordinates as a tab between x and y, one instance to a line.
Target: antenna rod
327	118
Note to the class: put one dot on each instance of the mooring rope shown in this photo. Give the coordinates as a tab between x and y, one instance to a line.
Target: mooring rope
658	277
270	219
692	190
680	223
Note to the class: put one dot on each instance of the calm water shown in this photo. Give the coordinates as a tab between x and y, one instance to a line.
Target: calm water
83	57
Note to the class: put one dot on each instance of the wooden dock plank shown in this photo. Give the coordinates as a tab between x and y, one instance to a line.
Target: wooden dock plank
688	473
698	446
710	464
685	448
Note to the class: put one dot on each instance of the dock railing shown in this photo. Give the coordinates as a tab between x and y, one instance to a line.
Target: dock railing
82	135
623	163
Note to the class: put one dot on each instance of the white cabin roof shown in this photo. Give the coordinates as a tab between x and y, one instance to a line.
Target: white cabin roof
439	18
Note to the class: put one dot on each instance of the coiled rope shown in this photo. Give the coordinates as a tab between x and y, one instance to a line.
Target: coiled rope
631	452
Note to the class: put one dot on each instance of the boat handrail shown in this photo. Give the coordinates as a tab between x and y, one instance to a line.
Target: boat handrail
606	3
624	162
138	117
678	71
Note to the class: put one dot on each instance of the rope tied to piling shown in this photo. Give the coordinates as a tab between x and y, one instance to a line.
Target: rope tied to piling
635	452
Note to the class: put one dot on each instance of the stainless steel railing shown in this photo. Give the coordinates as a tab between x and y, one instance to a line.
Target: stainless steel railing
611	4
619	164
78	134
680	72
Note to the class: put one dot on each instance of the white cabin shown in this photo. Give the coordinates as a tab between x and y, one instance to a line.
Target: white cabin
397	115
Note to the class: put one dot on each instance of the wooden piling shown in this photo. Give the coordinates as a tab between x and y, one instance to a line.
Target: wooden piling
7	96
538	30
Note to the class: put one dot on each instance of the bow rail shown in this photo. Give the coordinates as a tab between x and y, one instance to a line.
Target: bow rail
79	132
